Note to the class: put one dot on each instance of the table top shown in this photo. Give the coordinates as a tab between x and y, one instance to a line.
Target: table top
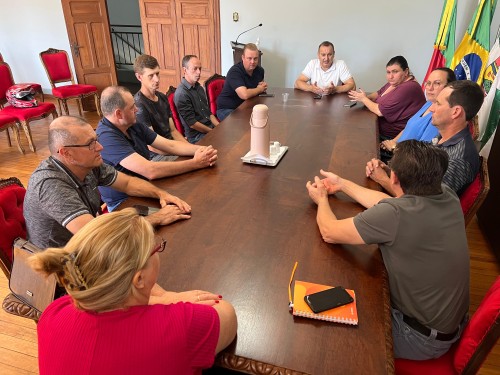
250	223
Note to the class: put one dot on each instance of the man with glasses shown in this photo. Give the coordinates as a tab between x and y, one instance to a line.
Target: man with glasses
456	104
325	75
62	193
421	235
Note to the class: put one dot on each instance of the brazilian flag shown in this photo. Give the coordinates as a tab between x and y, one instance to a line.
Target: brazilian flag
471	56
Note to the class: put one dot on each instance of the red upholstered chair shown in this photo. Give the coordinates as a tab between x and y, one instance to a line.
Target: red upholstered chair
10	122
466	355
175	115
36	86
475	194
213	87
13	225
473	126
23	115
56	64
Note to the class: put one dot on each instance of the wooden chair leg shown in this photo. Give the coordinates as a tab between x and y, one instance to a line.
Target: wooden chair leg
98	104
65	105
59	105
79	102
15	129
27	131
8	137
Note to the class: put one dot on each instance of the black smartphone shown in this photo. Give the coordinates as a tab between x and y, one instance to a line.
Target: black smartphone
266	95
145	210
350	104
328	299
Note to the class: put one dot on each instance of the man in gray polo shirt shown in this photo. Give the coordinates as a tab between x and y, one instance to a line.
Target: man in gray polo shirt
421	235
62	193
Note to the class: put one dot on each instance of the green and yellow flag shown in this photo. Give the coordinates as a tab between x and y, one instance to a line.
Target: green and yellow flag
444	45
471	56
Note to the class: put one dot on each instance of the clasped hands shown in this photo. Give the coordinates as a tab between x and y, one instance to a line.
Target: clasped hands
321	188
377	170
205	156
262	86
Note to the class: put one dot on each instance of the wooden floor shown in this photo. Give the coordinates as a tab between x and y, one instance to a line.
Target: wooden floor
18	343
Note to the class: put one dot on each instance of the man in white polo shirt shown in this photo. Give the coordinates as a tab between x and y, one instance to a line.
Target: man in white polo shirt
325	75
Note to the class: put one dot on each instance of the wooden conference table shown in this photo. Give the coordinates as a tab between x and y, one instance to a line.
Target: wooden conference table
250	223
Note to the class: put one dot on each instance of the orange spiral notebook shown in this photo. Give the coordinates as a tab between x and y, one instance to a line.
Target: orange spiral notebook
347	314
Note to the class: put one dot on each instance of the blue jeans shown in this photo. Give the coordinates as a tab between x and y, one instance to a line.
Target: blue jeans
223	113
411	344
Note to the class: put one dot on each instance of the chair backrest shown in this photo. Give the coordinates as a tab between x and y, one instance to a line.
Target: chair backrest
475	194
56	64
481	333
175	115
213	87
11	219
6	80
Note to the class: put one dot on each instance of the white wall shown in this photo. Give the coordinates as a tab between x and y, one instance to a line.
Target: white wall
26	28
365	33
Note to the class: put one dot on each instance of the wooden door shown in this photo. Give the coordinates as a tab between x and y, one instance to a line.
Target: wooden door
175	28
89	36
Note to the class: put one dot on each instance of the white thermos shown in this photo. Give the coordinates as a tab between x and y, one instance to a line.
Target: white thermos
259	137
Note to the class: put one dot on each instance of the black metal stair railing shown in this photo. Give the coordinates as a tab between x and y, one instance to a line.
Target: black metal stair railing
127	44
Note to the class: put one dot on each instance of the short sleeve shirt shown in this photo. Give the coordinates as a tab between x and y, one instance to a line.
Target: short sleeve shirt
398	106
154	114
55	197
425	252
117	146
157	339
463	163
238	77
338	73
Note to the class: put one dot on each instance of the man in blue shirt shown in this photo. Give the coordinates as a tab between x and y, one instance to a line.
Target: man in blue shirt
127	145
243	81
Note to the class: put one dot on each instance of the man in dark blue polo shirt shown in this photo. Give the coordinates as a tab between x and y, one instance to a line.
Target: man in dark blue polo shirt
243	81
127	145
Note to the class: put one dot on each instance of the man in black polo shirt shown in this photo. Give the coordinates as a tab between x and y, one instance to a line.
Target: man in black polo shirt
191	102
243	81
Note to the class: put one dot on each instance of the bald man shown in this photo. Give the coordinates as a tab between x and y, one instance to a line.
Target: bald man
62	193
